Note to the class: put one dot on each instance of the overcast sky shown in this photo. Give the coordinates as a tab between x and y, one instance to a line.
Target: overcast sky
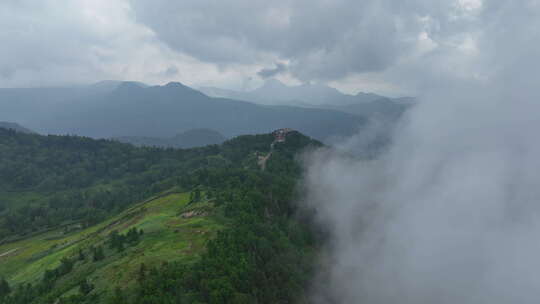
385	46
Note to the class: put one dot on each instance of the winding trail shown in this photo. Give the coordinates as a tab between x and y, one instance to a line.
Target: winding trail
263	159
280	135
9	252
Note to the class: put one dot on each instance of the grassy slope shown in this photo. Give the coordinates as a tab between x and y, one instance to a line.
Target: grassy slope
168	236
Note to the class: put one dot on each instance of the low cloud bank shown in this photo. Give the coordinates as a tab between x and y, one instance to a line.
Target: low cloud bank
449	214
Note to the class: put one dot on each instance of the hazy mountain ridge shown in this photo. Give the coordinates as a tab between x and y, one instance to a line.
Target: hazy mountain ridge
274	92
160	111
381	108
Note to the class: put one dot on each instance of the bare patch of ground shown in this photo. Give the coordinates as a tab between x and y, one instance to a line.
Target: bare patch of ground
9	252
193	213
262	160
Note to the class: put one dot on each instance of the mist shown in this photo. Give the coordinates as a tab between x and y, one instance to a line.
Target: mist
449	213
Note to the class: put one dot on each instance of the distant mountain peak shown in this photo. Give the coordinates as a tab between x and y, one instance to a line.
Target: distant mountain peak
175	84
175	87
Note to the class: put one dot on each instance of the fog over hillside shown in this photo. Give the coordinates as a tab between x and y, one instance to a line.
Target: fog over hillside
451	213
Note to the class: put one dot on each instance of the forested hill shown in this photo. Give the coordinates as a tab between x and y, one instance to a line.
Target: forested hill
92	221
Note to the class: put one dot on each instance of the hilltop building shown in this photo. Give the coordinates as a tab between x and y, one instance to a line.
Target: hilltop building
280	134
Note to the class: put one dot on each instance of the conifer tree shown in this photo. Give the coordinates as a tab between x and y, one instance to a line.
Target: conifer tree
85	287
98	254
4	288
82	256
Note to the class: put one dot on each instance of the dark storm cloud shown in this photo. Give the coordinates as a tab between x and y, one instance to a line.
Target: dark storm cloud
322	39
271	72
318	40
412	43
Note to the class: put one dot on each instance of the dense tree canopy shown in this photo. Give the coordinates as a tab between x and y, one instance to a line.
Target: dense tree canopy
79	179
264	255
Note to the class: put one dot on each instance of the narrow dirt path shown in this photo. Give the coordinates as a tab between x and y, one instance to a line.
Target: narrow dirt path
263	159
279	136
8	252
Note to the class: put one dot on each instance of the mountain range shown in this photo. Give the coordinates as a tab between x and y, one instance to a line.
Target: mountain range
274	92
131	110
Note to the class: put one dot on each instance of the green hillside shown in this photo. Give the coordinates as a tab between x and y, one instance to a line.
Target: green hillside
167	236
120	224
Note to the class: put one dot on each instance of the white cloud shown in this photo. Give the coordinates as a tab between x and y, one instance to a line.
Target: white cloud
469	5
450	213
85	41
400	46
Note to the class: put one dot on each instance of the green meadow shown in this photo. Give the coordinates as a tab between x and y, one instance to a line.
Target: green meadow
173	230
